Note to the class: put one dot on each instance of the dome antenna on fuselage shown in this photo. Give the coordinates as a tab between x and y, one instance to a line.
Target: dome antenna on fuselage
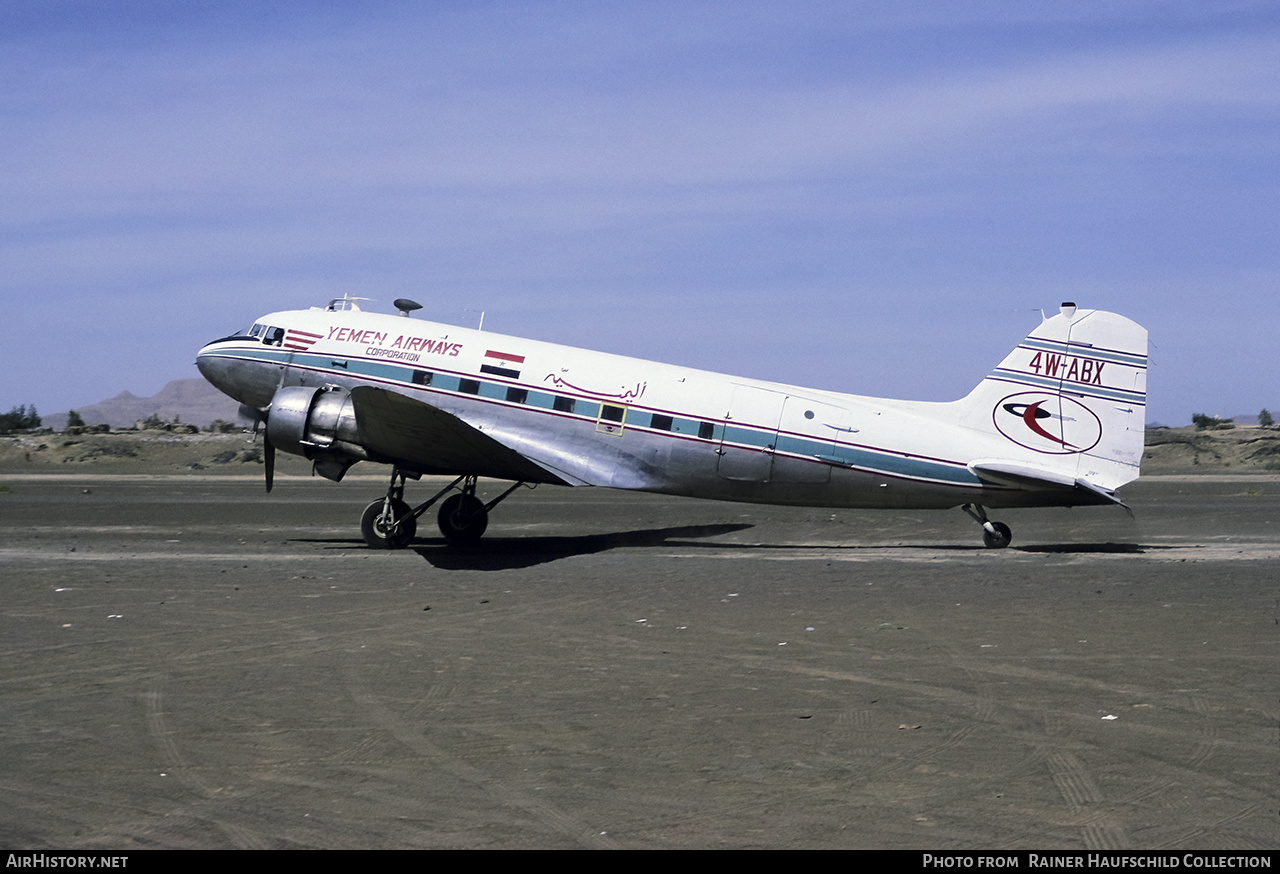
406	306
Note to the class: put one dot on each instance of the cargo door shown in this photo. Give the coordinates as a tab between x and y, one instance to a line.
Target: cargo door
807	437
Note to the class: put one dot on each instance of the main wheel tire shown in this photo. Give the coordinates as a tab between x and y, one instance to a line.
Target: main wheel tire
1000	539
462	519
383	533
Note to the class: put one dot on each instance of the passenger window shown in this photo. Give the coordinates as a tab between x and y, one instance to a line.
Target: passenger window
422	377
517	395
660	423
563	404
469	386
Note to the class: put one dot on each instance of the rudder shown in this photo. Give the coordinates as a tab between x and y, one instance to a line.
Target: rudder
1071	398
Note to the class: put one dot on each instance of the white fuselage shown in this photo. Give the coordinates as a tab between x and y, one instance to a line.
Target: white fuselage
592	418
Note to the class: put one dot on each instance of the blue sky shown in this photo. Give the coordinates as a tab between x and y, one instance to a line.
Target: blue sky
872	197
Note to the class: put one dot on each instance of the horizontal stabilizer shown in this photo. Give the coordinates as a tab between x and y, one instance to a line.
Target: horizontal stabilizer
1019	475
1031	478
1109	497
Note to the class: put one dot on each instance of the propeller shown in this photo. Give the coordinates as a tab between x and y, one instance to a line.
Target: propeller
269	460
259	417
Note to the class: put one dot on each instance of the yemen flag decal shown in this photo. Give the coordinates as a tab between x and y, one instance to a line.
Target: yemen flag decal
502	364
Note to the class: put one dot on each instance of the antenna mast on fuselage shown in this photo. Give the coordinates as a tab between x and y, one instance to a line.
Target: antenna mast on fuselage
346	303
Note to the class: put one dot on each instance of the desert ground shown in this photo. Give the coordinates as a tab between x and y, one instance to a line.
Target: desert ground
190	662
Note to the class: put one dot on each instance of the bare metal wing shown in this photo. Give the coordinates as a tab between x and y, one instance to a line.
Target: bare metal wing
430	440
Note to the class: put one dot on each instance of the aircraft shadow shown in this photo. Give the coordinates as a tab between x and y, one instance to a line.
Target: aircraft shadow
508	553
1062	548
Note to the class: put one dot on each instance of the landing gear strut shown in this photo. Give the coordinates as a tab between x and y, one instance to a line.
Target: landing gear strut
463	518
996	535
389	523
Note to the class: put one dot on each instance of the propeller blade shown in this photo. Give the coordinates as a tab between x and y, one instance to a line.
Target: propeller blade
269	460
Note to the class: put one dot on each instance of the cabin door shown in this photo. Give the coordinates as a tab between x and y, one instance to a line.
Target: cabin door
750	434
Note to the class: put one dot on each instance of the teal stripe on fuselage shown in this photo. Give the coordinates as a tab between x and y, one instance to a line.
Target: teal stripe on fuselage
909	468
803	447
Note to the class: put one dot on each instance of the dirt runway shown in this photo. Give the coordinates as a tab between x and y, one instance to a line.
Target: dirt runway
188	662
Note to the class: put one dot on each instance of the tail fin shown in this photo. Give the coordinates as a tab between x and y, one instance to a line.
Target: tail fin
1069	404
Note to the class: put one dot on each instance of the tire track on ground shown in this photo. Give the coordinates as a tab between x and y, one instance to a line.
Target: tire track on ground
1100	830
158	727
413	738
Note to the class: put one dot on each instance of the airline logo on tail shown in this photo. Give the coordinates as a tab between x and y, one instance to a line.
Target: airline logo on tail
1047	423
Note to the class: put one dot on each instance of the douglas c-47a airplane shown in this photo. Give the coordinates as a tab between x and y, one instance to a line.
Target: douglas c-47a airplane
1058	423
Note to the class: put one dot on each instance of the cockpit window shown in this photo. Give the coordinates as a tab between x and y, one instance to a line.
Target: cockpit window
256	330
251	334
273	336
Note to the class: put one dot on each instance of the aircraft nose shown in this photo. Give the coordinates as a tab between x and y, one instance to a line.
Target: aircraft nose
221	369
212	367
234	371
205	358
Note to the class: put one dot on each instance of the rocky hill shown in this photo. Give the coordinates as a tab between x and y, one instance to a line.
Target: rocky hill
188	400
1187	450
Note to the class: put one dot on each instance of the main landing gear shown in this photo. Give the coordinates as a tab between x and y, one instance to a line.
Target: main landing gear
389	523
996	535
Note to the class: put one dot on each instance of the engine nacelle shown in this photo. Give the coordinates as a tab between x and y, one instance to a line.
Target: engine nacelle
317	423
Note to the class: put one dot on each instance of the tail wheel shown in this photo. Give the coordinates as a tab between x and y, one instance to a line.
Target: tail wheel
381	531
463	518
998	539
